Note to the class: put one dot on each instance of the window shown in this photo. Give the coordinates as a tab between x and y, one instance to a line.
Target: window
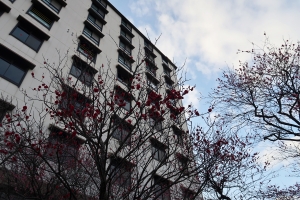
149	46
123	76
161	188
175	116
121	173
95	22
126	48
40	16
62	147
29	38
72	103
178	133
91	35
103	3
183	164
165	60
11	72
158	151
152	84
151	69
187	194
85	49
4	108
169	83
124	61
156	123
149	57
167	72
127	25
53	4
13	67
122	132
126	36
83	71
98	11
122	99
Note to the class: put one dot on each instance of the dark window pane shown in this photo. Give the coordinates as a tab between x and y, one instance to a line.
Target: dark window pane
75	71
33	42
20	34
3	66
14	74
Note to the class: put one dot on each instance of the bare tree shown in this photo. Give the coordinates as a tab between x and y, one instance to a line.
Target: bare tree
264	93
118	136
230	167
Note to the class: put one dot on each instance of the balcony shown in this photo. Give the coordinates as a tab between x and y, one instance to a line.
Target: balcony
56	8
93	21
169	86
89	35
151	71
167	73
124	62
126	25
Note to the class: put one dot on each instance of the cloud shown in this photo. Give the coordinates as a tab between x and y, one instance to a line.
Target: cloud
209	33
193	98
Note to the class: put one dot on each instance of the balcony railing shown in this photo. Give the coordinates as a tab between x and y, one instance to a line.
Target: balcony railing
102	3
165	62
166	72
149	46
126	36
152	85
126	25
40	17
125	50
170	86
93	22
124	63
87	34
83	50
151	70
48	2
98	11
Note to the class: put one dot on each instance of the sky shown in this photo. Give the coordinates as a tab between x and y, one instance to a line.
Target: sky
205	36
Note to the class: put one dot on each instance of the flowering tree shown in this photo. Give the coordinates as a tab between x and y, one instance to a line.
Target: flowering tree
231	169
92	134
265	93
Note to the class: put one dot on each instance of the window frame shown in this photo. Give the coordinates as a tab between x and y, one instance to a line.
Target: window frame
125	62
89	34
98	10
158	151
122	96
162	192
89	54
5	107
125	47
40	19
69	147
19	26
122	133
156	124
10	64
121	172
83	71
126	35
179	135
89	18
50	5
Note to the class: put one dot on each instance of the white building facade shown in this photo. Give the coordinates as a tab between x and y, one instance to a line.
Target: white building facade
37	31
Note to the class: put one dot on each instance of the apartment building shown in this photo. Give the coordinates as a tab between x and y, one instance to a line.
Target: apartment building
89	35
